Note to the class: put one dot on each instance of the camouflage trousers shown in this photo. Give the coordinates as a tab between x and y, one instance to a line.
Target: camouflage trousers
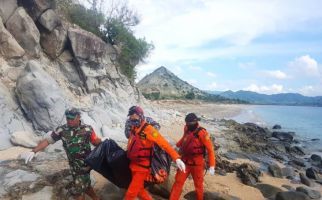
81	182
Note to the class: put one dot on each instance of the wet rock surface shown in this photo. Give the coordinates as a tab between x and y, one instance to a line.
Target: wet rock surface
268	191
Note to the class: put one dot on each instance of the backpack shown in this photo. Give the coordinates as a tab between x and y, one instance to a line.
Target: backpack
160	161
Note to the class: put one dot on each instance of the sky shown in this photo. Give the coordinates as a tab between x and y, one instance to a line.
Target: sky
265	46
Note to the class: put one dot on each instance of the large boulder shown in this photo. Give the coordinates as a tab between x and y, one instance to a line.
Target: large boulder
54	42
89	47
210	196
11	119
268	191
94	57
313	194
18	176
7	7
40	97
9	46
312	173
316	158
249	174
305	180
275	170
284	136
49	19
24	30
36	7
290	195
25	138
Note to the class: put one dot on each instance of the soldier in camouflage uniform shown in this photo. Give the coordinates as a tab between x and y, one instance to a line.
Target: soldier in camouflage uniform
76	138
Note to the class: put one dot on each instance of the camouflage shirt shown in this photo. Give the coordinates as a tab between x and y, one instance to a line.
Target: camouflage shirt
76	142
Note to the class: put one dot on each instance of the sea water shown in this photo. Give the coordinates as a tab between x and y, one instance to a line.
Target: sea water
305	121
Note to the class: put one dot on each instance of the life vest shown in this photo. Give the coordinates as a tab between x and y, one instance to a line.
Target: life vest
138	148
191	145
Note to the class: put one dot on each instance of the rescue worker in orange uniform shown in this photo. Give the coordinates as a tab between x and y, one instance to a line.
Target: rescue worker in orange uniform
193	145
139	150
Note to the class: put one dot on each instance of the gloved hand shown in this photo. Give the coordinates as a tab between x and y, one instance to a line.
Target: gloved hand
212	171
27	156
181	165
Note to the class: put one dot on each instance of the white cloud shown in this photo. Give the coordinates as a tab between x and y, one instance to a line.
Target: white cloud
276	74
179	29
211	74
305	65
273	89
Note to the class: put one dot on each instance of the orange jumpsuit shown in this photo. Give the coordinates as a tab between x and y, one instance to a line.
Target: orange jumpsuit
194	164
141	169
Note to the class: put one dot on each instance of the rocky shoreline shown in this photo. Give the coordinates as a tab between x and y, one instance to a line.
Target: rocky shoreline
253	162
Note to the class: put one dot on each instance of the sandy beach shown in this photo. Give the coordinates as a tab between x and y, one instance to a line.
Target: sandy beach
229	184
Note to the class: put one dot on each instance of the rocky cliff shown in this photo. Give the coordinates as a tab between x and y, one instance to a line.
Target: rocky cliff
47	65
163	84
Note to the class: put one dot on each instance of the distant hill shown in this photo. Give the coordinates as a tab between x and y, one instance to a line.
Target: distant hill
163	84
275	99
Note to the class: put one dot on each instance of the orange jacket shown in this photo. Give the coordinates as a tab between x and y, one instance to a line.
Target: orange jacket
205	141
151	137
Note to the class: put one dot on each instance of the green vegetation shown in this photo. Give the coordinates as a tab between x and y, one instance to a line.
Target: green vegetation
152	96
114	27
190	95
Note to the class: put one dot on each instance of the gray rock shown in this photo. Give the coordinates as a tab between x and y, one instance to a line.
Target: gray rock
288	172
313	194
268	191
9	46
24	30
312	173
305	180
49	19
25	138
45	193
41	98
277	126
70	72
283	136
36	7
159	190
210	196
316	158
319	181
54	42
290	195
66	56
275	170
288	187
248	174
299	162
11	119
7	7
297	150
18	176
89	47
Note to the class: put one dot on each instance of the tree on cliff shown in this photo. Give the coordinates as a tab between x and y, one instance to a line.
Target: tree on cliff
114	26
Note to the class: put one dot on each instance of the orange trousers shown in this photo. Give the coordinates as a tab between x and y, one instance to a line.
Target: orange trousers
197	173
136	188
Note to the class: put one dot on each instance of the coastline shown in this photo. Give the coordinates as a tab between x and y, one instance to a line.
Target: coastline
172	127
211	115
